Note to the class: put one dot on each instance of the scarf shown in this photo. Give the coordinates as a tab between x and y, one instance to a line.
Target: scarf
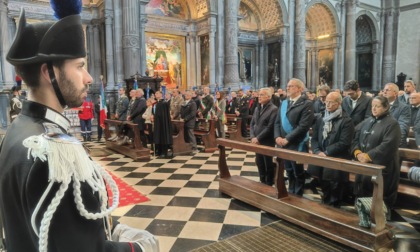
328	117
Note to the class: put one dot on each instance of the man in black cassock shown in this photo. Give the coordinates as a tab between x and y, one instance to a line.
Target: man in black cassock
162	126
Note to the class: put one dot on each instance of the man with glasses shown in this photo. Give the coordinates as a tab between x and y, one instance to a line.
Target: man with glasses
332	136
319	104
262	125
356	104
399	110
291	129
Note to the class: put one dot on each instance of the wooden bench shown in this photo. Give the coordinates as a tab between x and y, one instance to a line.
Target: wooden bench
408	191
206	131
234	128
336	224
179	146
135	150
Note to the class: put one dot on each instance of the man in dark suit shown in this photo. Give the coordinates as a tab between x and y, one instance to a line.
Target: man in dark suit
291	129
262	129
243	111
319	104
136	115
332	135
232	104
356	104
409	88
399	110
188	111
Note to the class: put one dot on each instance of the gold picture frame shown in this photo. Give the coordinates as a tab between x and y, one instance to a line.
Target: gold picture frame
165	57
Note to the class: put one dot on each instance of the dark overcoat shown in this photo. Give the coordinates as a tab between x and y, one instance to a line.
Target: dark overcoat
262	124
379	138
337	144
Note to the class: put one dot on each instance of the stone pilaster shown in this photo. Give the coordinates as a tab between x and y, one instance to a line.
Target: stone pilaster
231	78
119	65
314	62
388	61
291	38
335	70
299	66
6	37
261	63
110	76
96	53
220	48
142	36
212	51
376	85
131	40
350	62
90	50
283	62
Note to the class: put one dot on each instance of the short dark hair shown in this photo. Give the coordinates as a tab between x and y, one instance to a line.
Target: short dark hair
30	73
351	85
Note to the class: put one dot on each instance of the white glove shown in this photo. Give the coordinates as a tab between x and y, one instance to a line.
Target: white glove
147	241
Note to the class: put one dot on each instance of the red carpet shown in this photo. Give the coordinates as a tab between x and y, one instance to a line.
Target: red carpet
128	195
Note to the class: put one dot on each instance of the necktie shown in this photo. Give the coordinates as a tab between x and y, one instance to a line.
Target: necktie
354	102
290	103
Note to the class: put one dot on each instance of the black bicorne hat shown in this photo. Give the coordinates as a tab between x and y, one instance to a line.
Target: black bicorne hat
47	41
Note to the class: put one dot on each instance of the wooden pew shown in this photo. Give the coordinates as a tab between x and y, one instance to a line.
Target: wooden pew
407	189
136	151
179	146
330	222
234	128
207	132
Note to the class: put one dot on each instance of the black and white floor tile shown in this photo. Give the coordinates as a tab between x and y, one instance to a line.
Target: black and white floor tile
187	211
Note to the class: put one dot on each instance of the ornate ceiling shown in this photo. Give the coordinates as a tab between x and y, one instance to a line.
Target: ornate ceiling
319	21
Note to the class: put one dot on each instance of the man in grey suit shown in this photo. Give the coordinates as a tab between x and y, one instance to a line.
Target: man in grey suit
409	88
188	114
356	104
400	111
262	129
415	116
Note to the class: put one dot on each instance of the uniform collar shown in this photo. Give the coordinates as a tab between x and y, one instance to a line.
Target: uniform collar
37	110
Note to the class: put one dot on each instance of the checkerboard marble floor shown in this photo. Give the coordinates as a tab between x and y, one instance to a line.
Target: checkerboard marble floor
186	210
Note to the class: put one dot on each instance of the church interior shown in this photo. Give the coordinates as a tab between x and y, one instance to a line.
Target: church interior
228	45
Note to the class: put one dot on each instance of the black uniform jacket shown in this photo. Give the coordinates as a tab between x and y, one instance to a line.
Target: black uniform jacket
23	181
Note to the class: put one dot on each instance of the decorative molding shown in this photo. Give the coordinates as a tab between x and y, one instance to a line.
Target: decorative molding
369	7
158	24
410	7
131	41
248	36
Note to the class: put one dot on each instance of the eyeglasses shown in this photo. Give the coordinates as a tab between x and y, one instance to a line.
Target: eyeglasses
331	102
262	95
290	86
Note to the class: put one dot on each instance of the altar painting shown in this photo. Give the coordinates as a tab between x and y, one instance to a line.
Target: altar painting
165	55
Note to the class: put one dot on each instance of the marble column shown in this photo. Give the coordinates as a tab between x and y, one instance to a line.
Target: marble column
388	61
299	61
96	54
335	70
118	42
283	62
131	40
291	38
142	36
350	67
188	57
6	38
231	78
197	56
110	76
